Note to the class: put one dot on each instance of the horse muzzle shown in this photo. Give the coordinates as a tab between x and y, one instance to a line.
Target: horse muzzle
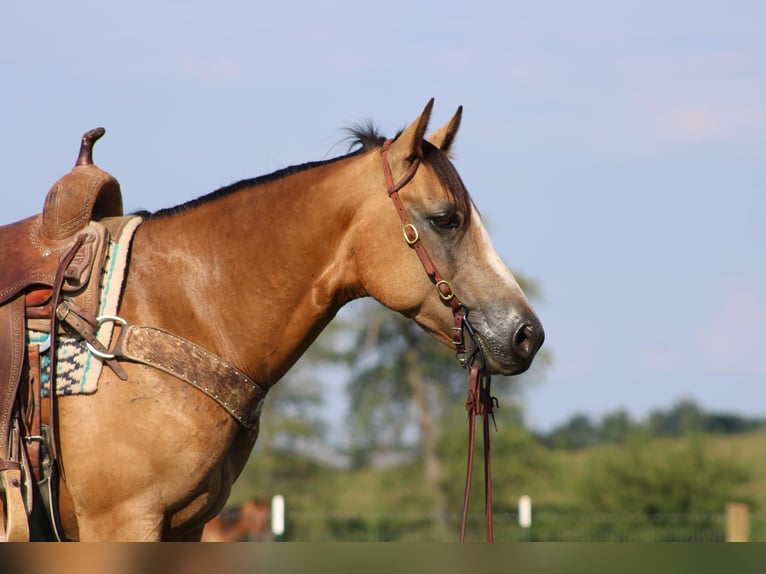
512	355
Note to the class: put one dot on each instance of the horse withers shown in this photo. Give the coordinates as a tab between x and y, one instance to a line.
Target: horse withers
247	277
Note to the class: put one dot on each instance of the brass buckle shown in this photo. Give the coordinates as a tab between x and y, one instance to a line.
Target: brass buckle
407	237
445	296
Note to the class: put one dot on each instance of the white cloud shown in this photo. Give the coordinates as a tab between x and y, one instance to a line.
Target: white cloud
735	338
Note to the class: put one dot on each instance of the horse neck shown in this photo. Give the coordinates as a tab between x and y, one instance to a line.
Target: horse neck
260	272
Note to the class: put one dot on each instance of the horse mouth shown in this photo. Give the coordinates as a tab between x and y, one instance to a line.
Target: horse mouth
498	365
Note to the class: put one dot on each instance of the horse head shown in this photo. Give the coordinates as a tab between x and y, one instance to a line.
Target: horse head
441	220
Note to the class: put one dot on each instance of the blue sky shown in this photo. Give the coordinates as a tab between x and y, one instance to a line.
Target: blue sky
617	150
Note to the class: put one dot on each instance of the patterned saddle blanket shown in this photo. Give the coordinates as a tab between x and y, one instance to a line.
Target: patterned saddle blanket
77	368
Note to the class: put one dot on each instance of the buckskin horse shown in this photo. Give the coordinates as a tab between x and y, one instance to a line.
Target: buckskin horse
223	294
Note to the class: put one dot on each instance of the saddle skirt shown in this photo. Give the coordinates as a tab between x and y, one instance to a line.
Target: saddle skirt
28	259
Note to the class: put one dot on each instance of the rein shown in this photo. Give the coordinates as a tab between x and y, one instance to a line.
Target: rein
479	401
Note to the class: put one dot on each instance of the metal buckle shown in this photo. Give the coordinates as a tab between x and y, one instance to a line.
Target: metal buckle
450	292
45	345
100	320
407	237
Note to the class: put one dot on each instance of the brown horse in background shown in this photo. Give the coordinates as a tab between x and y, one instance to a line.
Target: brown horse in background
248	522
253	273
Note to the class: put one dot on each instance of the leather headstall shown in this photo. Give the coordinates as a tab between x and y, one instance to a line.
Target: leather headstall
480	401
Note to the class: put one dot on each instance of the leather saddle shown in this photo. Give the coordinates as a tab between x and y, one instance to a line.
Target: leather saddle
32	248
42	258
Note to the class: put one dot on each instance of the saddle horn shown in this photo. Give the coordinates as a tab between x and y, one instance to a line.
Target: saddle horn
86	147
86	193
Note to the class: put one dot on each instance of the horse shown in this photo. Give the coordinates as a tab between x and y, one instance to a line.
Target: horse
250	274
247	522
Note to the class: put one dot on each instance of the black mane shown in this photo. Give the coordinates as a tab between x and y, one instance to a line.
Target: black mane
360	138
363	136
239	186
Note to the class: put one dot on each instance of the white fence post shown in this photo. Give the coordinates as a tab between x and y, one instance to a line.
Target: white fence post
278	517
525	515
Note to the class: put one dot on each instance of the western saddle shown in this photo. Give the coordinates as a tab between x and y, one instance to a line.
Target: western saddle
43	258
50	279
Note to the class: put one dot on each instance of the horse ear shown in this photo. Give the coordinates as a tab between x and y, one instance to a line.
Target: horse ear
445	135
409	144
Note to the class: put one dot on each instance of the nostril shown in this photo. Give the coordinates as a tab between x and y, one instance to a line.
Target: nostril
524	340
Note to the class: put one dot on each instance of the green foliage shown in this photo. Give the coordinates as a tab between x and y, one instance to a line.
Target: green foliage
614	428
577	432
576	494
654	484
652	479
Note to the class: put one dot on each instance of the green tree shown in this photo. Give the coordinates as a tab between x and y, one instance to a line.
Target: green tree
685	416
615	427
659	481
578	432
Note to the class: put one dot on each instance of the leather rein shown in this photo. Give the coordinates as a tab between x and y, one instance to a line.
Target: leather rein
479	402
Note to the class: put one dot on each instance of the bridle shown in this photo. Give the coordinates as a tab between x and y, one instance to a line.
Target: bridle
479	401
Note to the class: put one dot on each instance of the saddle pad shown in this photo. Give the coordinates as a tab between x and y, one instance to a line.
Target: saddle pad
77	369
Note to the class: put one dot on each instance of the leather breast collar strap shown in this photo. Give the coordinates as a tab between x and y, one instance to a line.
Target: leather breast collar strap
480	401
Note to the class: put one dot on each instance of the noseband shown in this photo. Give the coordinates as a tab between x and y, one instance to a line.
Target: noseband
479	401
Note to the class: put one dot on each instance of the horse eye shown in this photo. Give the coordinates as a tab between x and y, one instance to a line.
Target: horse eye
446	221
